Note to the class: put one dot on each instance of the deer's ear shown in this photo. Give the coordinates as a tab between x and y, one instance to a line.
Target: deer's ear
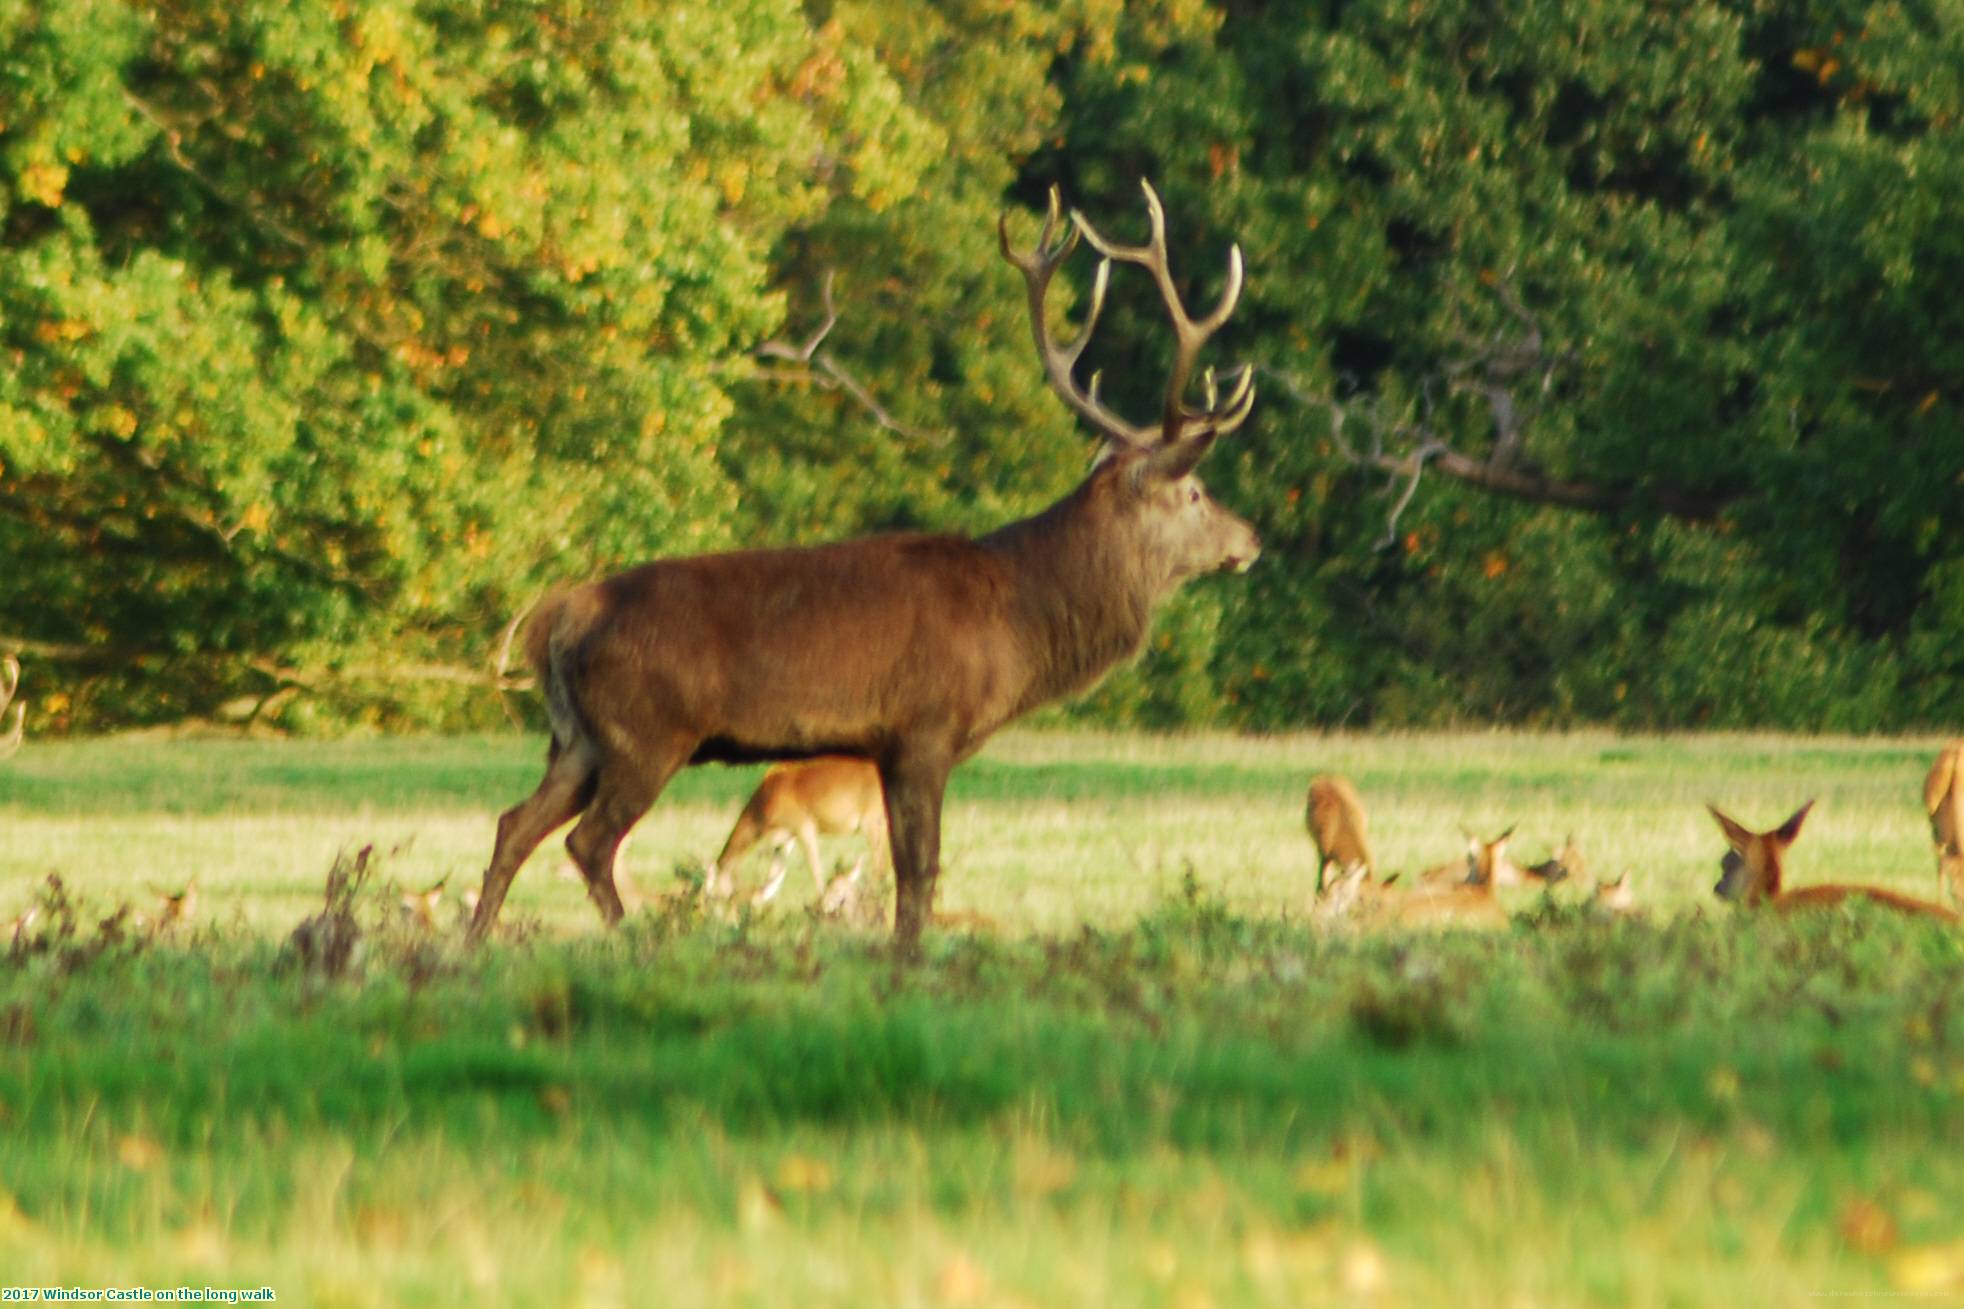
1181	457
1791	828
1736	836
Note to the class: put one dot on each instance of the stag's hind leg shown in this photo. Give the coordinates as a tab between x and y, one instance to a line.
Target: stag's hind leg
626	788
566	789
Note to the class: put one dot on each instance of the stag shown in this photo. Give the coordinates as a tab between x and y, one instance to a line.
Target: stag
905	650
11	738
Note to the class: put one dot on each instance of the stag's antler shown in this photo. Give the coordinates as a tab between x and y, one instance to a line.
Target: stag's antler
1177	421
9	683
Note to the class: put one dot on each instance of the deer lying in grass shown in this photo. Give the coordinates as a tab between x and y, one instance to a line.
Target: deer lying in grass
1943	800
1751	874
1486	864
906	650
1563	865
1614	899
1467	901
11	738
1334	814
831	795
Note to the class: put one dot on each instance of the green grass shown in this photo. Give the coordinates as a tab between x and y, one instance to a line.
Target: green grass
1157	1084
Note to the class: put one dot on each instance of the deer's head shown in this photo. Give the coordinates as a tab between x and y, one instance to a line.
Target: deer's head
1144	487
1750	871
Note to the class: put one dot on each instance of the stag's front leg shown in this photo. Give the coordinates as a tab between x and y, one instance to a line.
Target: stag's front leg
914	788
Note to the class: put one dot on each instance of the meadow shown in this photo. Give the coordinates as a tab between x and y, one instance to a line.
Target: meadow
1154	1080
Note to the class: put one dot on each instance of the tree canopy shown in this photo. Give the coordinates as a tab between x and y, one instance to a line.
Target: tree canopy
1611	358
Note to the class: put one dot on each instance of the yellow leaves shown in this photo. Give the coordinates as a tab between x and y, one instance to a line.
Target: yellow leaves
44	183
115	420
1494	565
1928	1269
61	331
1818	61
427	359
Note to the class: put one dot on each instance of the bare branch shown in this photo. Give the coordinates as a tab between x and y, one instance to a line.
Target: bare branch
1515	376
174	147
823	369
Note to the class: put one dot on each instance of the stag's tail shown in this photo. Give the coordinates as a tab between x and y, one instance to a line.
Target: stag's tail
558	625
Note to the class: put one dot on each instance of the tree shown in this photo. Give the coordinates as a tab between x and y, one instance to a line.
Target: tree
337	331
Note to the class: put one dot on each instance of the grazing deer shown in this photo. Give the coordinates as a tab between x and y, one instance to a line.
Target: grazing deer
1486	864
1751	873
1334	814
905	650
832	794
11	738
1943	800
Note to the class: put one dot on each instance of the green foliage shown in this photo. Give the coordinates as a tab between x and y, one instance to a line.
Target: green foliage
336	332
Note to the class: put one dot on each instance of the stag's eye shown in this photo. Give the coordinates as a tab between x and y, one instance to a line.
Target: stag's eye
1193	495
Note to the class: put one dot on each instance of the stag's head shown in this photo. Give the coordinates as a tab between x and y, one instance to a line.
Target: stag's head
1150	500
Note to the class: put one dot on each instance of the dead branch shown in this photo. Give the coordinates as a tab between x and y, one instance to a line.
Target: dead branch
1514	375
813	364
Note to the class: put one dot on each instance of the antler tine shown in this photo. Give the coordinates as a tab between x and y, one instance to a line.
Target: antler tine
1060	361
1189	335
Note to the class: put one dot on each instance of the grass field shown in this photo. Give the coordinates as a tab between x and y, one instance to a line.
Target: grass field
1156	1083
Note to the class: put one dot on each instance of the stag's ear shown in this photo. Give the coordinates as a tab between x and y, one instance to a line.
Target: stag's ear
1176	460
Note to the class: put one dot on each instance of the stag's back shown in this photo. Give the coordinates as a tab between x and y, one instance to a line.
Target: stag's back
769	653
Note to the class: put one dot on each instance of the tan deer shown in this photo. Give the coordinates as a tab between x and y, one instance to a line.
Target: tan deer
1353	894
1943	800
176	908
1752	874
909	650
1617	899
831	795
1562	865
421	907
11	738
1334	814
1486	864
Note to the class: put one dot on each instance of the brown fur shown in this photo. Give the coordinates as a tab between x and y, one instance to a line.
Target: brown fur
907	651
1486	864
11	737
1334	814
1943	800
1754	874
831	795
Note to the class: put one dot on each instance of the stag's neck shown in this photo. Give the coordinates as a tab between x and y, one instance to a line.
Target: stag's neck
1083	598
